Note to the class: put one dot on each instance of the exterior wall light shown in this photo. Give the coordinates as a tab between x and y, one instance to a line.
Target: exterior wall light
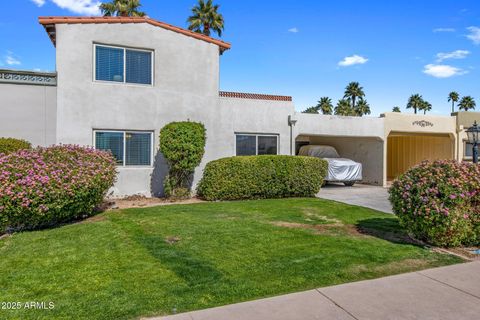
473	136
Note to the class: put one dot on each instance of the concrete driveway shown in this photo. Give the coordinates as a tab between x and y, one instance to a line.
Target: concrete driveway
360	195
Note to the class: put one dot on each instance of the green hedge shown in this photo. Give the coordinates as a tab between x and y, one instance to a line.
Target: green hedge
10	145
255	177
183	145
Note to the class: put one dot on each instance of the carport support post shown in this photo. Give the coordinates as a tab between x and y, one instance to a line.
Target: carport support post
291	124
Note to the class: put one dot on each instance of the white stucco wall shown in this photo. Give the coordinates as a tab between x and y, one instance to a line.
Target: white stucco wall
186	73
257	116
186	86
28	112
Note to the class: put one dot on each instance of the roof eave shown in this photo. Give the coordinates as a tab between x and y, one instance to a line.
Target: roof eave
50	22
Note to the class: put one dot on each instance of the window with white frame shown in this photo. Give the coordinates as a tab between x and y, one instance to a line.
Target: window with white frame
124	65
130	148
255	144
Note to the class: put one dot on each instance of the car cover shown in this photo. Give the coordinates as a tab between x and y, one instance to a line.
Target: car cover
339	169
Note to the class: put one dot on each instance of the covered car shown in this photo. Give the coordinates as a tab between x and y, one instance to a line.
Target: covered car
339	169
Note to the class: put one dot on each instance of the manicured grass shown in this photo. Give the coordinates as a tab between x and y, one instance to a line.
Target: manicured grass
140	262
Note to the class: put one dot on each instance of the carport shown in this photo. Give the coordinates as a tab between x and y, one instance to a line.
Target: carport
407	149
366	150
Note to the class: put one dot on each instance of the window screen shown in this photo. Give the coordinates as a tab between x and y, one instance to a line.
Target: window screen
138	149
111	141
109	64
246	145
267	145
139	67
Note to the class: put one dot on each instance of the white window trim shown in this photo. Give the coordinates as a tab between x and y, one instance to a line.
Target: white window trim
124	82
256	135
124	132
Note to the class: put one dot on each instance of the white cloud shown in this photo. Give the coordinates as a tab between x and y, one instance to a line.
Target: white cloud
352	60
442	70
39	3
11	60
293	30
474	34
457	54
87	7
444	30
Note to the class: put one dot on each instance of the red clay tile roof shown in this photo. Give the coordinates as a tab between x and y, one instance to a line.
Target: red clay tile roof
50	22
256	96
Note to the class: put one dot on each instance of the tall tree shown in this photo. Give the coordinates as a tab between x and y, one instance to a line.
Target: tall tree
344	108
311	110
123	8
425	106
415	102
467	103
205	18
453	97
352	92
325	105
362	108
396	109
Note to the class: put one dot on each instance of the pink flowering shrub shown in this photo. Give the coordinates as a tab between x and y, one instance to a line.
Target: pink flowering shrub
439	202
46	186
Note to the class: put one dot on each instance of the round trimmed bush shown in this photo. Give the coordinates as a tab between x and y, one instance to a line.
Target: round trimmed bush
46	186
9	145
439	202
255	177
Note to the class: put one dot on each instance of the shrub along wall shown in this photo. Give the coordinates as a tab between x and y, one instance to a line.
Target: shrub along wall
9	145
183	145
439	202
254	177
47	186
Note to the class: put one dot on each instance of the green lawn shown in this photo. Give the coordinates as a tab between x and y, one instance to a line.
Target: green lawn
140	262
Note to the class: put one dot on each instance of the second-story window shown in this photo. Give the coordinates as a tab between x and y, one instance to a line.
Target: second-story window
125	65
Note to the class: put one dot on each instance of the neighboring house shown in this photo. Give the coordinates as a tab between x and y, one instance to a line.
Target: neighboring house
119	80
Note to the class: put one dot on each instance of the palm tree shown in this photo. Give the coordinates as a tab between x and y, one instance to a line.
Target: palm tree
325	105
362	108
205	18
415	102
123	8
426	106
396	109
467	103
453	97
353	91
311	110
344	108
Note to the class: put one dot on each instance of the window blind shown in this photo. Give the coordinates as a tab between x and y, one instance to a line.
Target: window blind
138	149
109	64
138	67
110	141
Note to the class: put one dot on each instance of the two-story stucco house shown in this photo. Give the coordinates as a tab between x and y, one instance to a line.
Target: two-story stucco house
119	80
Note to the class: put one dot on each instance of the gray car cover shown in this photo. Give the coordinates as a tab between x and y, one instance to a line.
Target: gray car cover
339	169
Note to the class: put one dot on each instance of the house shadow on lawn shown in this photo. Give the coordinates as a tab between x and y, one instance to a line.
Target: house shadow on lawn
193	270
387	229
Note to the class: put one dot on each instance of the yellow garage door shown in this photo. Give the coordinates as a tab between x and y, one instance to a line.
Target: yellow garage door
405	151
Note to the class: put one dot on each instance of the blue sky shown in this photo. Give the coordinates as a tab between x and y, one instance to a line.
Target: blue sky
306	49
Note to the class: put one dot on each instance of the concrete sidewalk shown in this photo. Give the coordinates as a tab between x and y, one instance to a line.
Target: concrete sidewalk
450	293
